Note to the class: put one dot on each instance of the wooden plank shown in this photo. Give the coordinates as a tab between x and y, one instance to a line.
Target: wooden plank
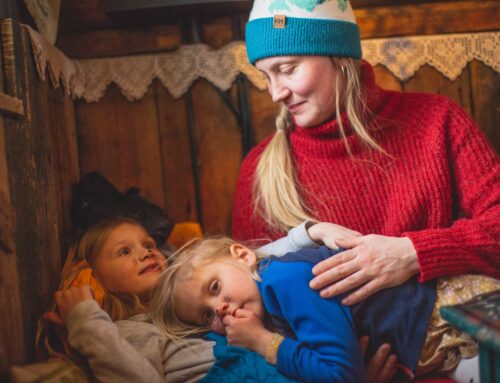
385	79
11	104
119	42
120	139
219	144
11	328
177	169
425	19
32	182
429	80
374	22
485	88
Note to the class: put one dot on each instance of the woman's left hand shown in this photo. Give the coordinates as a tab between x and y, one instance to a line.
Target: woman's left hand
371	263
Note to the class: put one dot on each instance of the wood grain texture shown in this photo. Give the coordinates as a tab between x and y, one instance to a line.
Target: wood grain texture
37	185
11	104
400	18
485	93
219	151
179	185
120	139
429	80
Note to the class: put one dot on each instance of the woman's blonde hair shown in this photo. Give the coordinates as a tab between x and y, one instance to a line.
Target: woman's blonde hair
278	197
197	252
49	339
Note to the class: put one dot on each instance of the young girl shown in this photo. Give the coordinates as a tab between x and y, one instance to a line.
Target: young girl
120	261
211	285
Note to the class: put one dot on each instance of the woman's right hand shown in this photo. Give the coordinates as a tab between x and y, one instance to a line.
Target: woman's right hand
326	233
66	300
382	366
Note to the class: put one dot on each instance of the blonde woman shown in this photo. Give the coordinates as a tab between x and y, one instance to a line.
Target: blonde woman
411	172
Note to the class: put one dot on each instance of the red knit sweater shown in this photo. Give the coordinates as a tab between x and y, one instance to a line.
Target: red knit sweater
440	186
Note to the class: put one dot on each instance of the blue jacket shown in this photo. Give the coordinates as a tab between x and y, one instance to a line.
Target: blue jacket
326	346
323	346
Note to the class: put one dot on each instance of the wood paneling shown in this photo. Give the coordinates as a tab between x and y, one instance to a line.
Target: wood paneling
485	94
177	168
120	139
40	170
219	151
386	79
429	80
381	21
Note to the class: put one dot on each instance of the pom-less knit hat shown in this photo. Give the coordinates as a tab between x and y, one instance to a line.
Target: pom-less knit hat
302	27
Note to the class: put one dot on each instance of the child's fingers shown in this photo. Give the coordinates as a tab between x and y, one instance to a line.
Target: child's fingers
243	313
53	317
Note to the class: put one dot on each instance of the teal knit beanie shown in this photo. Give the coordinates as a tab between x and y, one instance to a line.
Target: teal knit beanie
302	27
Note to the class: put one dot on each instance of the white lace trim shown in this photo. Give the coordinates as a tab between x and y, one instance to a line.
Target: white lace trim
89	79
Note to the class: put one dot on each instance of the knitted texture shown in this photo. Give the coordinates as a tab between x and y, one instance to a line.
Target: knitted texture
440	186
302	27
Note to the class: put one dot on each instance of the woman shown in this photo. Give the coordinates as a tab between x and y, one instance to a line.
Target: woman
411	172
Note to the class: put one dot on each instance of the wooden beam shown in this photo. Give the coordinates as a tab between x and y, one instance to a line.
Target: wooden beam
11	104
374	22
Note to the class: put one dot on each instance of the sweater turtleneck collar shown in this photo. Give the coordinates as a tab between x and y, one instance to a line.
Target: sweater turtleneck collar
325	139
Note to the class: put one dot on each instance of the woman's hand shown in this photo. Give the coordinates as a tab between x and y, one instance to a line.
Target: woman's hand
245	329
371	263
66	300
382	366
326	233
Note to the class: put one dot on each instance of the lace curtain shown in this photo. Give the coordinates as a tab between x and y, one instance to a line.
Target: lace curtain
403	56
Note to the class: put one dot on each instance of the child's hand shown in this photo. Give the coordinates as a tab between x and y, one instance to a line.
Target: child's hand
66	300
327	233
246	329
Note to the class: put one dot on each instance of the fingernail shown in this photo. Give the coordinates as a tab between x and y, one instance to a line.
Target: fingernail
340	239
313	284
315	270
346	301
323	294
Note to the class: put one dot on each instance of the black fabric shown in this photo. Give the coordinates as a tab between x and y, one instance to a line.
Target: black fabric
95	199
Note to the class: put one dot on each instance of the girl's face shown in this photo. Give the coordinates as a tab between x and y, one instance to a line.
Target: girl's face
305	84
217	289
129	262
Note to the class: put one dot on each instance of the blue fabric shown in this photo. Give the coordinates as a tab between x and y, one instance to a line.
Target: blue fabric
399	316
325	348
302	37
236	364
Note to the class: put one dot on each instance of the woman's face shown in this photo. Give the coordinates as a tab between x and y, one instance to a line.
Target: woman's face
129	262
305	84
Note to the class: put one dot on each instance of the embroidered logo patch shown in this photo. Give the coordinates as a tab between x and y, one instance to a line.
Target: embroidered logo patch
279	21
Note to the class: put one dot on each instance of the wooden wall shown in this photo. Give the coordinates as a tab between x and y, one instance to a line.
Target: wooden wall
147	142
38	166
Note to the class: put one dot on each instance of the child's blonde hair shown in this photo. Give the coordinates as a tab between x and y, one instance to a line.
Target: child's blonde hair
278	197
49	339
197	252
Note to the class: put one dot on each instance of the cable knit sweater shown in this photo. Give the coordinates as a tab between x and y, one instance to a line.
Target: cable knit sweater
439	185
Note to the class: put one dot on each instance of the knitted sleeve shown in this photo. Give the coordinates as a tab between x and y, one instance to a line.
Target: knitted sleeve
326	348
472	243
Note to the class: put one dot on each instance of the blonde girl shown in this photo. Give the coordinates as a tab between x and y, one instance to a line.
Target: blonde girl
109	276
218	284
119	259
